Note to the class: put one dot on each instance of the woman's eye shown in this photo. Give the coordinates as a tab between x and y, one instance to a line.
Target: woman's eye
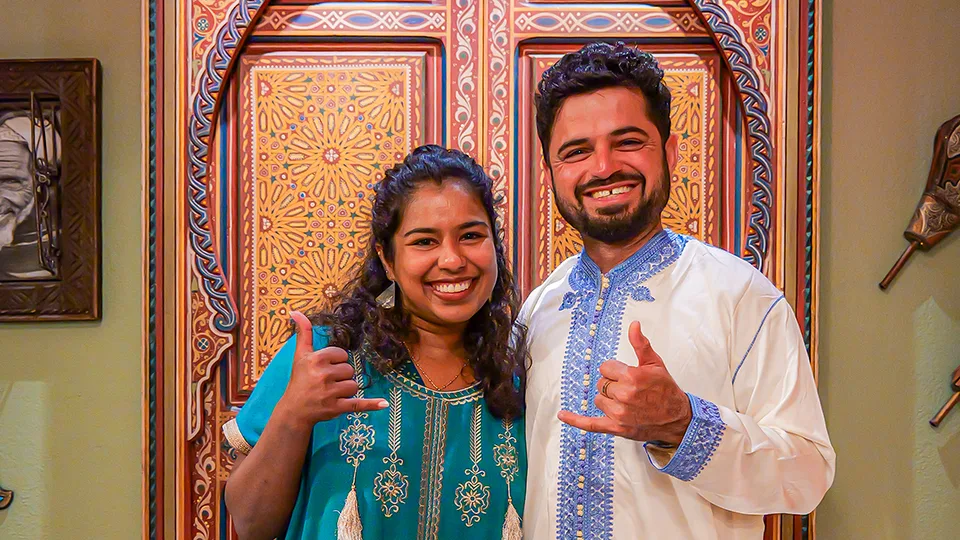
422	242
473	236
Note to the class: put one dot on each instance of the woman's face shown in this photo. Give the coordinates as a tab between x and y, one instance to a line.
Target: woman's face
444	260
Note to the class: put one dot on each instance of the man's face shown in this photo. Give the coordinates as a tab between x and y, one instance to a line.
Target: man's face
610	167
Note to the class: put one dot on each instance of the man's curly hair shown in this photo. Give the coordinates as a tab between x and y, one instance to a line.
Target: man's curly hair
594	67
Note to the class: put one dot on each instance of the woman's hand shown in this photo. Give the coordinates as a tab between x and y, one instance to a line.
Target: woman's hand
321	385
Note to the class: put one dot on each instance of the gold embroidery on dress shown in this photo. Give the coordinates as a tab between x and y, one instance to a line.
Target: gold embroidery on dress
357	437
505	455
390	486
431	477
355	440
472	497
459	397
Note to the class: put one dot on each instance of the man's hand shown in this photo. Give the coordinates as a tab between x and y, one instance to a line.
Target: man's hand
321	383
642	403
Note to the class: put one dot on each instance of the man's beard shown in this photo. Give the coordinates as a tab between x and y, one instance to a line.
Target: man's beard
622	225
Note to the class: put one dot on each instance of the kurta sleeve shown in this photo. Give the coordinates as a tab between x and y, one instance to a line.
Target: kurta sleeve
771	453
244	431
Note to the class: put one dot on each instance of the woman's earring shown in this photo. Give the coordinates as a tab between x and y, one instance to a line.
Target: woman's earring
388	298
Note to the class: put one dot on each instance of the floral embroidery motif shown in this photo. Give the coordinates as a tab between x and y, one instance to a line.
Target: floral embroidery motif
505	454
700	442
390	486
358	437
585	483
473	497
642	294
569	300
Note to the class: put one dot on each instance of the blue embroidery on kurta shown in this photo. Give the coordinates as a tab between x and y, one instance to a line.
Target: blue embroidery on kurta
569	300
585	483
699	443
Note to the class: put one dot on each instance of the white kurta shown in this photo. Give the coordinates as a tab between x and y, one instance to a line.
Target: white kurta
757	443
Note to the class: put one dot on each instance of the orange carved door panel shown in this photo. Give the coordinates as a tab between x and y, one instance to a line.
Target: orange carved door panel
317	127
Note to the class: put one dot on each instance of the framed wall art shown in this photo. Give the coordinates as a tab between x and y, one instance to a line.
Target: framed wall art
50	241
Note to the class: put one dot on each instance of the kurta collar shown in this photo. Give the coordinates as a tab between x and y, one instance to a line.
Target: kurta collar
653	257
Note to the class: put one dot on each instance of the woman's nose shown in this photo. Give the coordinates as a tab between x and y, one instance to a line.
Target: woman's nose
451	258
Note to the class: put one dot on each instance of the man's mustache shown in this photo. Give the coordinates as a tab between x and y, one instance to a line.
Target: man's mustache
614	178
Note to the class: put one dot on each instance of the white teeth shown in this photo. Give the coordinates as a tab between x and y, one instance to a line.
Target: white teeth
608	192
452	287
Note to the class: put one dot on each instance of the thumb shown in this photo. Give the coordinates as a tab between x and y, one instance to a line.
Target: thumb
641	345
304	333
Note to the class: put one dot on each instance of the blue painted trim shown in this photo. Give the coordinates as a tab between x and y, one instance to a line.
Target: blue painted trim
760	223
701	440
224	183
738	183
152	292
807	319
754	340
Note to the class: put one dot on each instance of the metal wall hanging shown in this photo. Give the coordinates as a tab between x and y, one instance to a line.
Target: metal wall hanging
938	213
6	498
951	402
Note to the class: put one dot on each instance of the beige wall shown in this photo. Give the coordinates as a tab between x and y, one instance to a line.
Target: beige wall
891	78
70	393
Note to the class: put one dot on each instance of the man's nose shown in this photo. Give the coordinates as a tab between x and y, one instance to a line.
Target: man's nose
605	162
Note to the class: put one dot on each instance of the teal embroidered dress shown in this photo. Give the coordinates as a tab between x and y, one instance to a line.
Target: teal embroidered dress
432	465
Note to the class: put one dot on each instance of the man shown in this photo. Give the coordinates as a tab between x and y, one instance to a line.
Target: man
670	392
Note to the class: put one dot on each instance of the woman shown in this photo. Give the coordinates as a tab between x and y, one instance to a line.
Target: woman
399	413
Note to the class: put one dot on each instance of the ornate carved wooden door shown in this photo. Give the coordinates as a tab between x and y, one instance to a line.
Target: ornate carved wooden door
289	112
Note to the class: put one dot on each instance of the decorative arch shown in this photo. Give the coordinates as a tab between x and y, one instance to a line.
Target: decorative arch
213	36
242	20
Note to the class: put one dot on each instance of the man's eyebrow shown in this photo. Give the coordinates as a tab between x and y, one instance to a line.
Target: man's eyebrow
629	129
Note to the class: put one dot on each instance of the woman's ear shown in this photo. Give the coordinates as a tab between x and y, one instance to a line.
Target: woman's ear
386	265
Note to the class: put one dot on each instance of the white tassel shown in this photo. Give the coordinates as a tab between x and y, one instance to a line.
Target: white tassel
511	524
348	524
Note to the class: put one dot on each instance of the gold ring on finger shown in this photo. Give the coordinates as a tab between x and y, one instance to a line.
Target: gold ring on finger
603	389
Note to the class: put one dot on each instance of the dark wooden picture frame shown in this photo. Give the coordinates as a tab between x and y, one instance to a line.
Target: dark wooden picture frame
53	200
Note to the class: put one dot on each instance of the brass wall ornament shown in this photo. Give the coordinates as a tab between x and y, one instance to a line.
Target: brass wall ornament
951	402
6	497
938	213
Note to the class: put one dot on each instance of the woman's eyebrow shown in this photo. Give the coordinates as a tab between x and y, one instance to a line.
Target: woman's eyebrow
428	230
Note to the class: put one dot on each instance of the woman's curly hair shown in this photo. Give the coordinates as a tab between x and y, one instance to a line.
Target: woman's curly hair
496	344
596	66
